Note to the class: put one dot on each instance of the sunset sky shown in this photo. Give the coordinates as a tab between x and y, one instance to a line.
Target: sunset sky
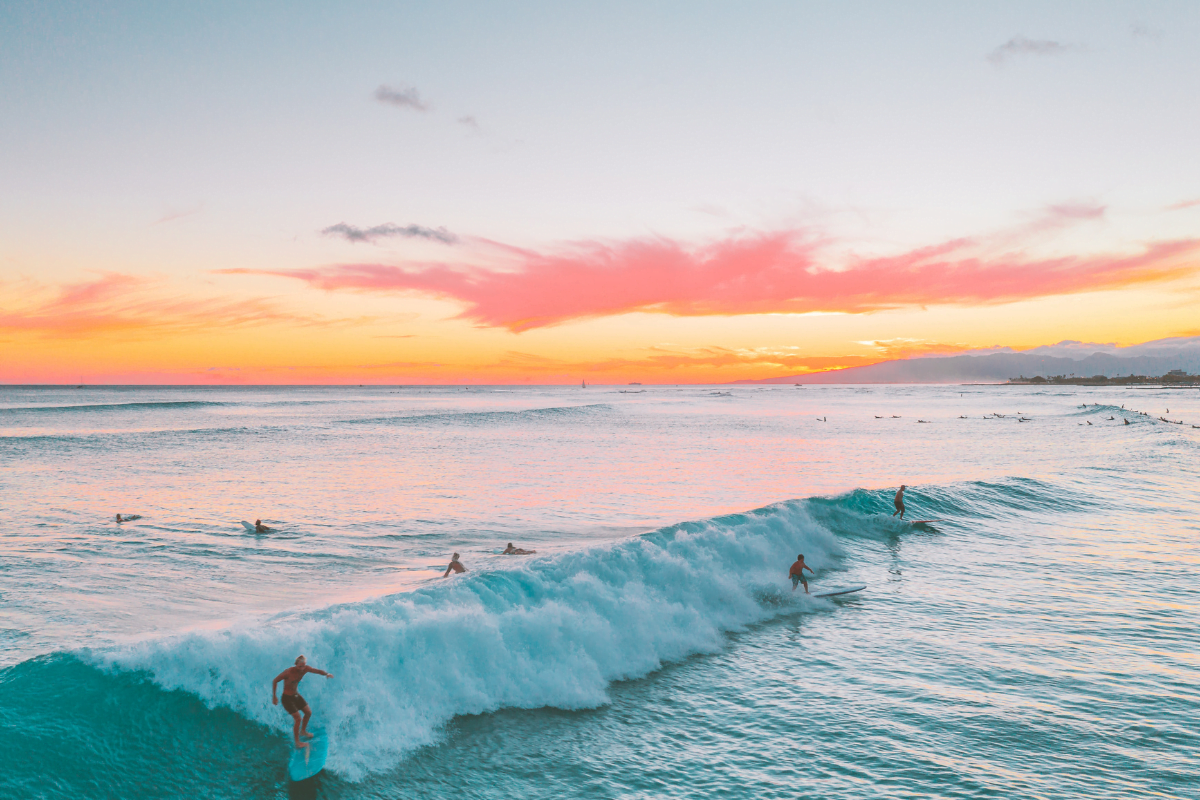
246	192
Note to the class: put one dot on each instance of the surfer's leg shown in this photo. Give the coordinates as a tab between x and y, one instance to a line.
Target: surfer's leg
805	585
296	729
304	724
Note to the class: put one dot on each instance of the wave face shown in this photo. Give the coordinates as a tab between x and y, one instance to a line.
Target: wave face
490	418
140	406
554	632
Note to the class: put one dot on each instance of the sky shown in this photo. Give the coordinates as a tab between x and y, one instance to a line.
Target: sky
665	192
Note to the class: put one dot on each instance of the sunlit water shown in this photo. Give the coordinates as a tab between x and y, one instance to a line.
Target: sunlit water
1039	641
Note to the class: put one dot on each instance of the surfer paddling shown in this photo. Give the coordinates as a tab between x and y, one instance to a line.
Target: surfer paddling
516	551
900	502
293	703
796	573
455	565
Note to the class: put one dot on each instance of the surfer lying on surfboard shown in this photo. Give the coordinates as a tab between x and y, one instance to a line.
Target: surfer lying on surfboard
796	573
293	703
455	565
517	551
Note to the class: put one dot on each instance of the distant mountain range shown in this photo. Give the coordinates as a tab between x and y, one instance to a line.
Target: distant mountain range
996	365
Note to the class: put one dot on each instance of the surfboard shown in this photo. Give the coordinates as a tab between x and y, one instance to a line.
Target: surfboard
308	761
248	526
836	592
923	521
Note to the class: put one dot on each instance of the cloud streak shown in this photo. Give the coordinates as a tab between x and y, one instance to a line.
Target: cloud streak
352	233
775	272
401	97
1020	46
114	304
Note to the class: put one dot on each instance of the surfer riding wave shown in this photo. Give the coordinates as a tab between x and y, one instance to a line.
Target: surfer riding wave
293	702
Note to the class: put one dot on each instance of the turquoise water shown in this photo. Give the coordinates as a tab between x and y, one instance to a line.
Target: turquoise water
1040	640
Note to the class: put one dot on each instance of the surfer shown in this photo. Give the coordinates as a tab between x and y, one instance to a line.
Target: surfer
900	502
119	518
259	527
455	565
796	573
517	551
293	703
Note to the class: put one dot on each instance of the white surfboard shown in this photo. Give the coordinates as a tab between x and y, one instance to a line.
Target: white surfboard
836	592
923	521
248	526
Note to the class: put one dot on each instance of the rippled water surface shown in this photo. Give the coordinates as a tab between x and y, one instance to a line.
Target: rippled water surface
1038	640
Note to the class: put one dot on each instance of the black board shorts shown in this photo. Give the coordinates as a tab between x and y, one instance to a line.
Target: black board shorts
293	703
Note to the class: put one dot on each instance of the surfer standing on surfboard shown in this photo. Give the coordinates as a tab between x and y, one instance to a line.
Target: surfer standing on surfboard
293	703
900	502
796	573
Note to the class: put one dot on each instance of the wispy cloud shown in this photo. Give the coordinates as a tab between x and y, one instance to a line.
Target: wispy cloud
1140	30
114	304
1184	204
352	233
775	272
469	121
402	97
171	216
660	359
1020	46
909	348
1073	212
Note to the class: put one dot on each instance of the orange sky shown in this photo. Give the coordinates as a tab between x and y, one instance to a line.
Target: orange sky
264	328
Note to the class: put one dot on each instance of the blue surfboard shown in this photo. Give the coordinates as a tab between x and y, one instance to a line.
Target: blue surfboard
308	761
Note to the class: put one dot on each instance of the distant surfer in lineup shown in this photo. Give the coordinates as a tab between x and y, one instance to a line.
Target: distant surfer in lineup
900	502
119	518
455	565
259	527
293	703
516	551
796	573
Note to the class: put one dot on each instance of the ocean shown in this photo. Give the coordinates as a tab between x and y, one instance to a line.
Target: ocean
1041	639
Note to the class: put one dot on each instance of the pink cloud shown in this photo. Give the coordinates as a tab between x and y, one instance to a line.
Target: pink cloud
770	272
127	305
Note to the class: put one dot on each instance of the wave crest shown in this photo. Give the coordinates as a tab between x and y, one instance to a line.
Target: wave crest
554	632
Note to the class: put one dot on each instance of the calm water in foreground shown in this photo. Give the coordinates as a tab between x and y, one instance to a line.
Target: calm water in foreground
1042	640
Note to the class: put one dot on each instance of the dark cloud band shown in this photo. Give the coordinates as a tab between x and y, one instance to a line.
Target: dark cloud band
355	234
